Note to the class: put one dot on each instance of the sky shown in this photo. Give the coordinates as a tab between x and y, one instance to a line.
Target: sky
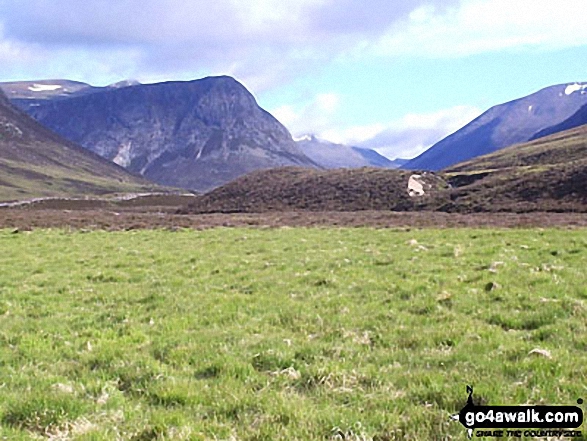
396	76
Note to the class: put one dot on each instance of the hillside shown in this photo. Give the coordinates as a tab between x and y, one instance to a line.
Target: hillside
511	123
549	174
546	174
293	188
195	135
560	148
36	162
331	155
576	120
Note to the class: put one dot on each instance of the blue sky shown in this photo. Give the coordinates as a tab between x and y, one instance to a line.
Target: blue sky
394	76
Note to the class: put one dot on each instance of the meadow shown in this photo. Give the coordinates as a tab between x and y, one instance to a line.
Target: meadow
285	333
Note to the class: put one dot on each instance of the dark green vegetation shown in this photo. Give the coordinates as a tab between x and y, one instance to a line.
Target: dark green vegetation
35	162
284	334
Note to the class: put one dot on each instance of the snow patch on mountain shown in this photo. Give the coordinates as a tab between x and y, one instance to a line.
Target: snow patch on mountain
44	87
303	138
572	88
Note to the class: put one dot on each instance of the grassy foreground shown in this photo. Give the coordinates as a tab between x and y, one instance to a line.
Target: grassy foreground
249	334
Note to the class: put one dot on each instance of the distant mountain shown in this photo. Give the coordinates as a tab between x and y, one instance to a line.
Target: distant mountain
45	89
399	162
504	125
331	155
30	94
195	135
578	119
35	162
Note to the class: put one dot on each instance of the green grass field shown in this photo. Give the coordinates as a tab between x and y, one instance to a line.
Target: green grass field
284	334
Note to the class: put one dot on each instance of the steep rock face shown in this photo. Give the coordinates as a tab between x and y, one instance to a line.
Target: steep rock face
194	135
504	125
331	155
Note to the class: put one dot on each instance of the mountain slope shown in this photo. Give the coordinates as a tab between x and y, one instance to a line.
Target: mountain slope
549	173
36	162
504	125
565	147
578	119
44	89
195	135
331	155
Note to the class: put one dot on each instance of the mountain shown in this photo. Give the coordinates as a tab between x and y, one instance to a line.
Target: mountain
547	174
331	155
195	135
578	119
504	125
45	89
399	162
36	162
30	94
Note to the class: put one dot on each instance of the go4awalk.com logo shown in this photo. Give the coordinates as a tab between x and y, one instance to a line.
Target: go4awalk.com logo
521	421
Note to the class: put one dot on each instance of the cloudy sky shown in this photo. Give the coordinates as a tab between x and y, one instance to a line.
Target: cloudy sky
392	75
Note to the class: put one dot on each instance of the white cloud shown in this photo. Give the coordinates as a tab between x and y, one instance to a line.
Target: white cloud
312	117
405	137
414	133
327	102
268	42
286	115
352	135
11	50
262	42
478	26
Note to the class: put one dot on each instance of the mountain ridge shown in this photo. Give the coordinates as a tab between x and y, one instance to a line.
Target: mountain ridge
191	134
332	155
547	175
503	125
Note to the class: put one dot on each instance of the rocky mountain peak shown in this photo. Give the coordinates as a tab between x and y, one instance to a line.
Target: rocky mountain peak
195	134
